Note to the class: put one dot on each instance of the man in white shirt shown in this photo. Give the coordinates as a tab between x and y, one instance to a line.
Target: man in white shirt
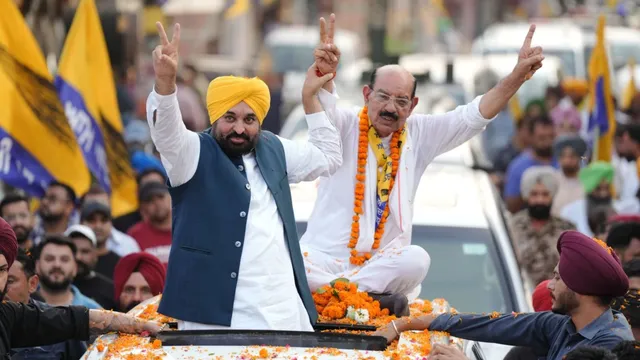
235	258
360	228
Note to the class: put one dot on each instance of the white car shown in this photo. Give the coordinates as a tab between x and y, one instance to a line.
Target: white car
561	39
459	221
460	224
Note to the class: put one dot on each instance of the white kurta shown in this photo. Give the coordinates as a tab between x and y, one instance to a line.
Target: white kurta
397	267
266	296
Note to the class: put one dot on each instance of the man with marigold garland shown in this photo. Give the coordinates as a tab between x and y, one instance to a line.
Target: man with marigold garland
235	259
360	228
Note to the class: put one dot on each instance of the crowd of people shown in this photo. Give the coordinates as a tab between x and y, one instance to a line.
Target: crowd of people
219	207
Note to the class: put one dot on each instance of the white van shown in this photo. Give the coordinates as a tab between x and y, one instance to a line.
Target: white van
560	39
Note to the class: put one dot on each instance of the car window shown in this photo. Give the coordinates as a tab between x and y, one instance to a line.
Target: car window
622	52
465	268
293	58
567	58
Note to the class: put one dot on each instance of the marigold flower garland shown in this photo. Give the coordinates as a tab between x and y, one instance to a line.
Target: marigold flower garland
333	301
363	153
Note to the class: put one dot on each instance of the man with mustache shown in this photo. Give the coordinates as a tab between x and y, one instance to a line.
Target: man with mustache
360	228
540	153
56	266
14	209
21	283
569	150
138	277
587	279
596	179
90	283
235	257
56	212
26	325
534	231
624	238
153	232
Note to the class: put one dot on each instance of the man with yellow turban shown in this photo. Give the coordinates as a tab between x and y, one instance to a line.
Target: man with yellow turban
235	260
360	228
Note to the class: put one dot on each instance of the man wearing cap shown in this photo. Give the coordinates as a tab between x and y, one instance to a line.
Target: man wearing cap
624	238
27	325
629	304
569	150
153	232
97	216
90	283
235	257
138	277
587	278
117	241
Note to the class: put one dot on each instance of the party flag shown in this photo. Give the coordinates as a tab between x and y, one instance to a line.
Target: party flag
37	144
602	112
87	90
630	90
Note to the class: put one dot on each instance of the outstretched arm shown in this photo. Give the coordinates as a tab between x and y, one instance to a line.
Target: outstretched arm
529	61
327	58
444	132
322	154
534	330
179	148
103	321
27	325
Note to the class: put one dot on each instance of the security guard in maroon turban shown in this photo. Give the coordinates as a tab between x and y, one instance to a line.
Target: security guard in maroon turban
586	280
590	267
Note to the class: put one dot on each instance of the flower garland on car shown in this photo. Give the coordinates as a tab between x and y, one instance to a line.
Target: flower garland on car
363	149
341	300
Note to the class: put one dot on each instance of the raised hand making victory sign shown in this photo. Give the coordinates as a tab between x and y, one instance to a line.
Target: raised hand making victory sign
165	60
529	59
327	54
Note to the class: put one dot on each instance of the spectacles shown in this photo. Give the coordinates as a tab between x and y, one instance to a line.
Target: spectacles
400	103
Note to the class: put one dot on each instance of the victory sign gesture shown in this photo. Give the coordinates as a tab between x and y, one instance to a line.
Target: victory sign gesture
327	54
529	59
165	60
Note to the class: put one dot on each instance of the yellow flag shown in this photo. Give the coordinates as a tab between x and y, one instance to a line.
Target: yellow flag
630	90
515	109
239	7
602	113
37	145
87	90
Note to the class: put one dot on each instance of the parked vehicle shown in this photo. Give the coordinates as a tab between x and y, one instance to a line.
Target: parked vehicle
459	223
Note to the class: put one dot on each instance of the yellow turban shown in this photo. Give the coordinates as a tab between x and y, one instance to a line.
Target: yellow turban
226	92
575	86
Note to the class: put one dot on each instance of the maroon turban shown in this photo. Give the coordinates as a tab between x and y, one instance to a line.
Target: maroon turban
542	297
589	267
8	242
146	264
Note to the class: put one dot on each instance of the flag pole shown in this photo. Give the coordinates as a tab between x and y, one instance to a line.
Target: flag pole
596	136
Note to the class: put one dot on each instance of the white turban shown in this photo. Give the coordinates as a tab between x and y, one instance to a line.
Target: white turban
545	175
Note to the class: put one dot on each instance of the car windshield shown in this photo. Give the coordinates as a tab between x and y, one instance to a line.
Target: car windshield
292	57
620	54
466	268
567	58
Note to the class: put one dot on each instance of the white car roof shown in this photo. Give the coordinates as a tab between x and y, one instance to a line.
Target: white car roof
308	35
548	35
448	195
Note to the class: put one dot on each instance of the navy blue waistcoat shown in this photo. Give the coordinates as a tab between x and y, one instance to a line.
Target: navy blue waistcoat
209	220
